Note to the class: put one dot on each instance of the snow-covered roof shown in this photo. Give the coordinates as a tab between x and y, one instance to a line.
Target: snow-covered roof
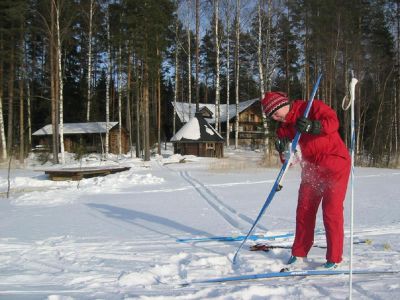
183	109
78	128
197	129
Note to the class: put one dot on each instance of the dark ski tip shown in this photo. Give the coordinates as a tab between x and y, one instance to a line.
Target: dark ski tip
184	284
284	270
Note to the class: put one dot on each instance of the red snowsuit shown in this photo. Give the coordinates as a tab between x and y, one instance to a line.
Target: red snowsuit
325	173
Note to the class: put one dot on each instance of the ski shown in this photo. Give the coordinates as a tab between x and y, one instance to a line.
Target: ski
266	248
253	237
303	273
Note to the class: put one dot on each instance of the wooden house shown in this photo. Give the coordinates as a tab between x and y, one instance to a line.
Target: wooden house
198	137
250	119
87	137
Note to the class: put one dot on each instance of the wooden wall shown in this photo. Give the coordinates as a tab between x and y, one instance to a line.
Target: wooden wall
114	140
203	149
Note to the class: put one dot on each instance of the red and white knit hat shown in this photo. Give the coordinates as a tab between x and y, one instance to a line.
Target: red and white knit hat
273	101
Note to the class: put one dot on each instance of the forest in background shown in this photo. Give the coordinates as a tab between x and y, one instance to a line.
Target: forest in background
64	61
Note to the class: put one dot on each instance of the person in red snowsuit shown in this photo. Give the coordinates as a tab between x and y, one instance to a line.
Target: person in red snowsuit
325	172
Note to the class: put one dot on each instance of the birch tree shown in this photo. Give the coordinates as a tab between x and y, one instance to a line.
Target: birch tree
228	70
53	81
176	74
158	92
10	131
197	53
146	116
269	69
120	98
129	96
217	67
2	129
138	107
60	81
261	71
108	82
21	99
89	59
237	69
28	96
259	49
190	62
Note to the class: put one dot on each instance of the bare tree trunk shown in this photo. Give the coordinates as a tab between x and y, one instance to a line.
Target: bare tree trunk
397	89
129	99
346	116
2	129
197	54
237	70
158	105
21	83
89	58
108	83
358	116
176	75
396	121
189	69
53	83
120	100
146	111
228	82
61	84
138	97
21	120
388	142
259	50
261	69
10	103
29	113
217	85
153	103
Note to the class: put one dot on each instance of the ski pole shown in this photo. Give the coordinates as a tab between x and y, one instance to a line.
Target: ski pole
353	138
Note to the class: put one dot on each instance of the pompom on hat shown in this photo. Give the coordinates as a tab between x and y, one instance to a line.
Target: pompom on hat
273	101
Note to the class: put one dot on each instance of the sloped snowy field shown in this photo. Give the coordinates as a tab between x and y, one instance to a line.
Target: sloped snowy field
114	237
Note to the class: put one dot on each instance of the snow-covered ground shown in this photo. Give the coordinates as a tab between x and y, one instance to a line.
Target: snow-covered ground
114	237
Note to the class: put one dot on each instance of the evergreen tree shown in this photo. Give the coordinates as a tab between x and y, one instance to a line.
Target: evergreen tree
288	57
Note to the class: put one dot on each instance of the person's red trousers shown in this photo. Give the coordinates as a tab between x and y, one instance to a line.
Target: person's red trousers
326	182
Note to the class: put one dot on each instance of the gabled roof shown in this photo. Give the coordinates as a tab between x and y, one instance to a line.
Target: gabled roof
197	130
183	108
206	112
77	128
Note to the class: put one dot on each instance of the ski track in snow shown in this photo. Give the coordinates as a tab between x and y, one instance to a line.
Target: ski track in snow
228	213
147	263
245	183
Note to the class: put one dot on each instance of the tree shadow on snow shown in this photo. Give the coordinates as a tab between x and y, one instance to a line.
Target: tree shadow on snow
135	217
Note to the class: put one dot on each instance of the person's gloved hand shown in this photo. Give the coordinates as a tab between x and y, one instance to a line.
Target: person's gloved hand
305	125
281	145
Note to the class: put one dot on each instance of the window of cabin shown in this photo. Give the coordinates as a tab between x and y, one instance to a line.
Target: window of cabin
210	146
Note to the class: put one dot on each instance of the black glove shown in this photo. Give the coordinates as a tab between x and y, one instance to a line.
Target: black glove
281	145
304	124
